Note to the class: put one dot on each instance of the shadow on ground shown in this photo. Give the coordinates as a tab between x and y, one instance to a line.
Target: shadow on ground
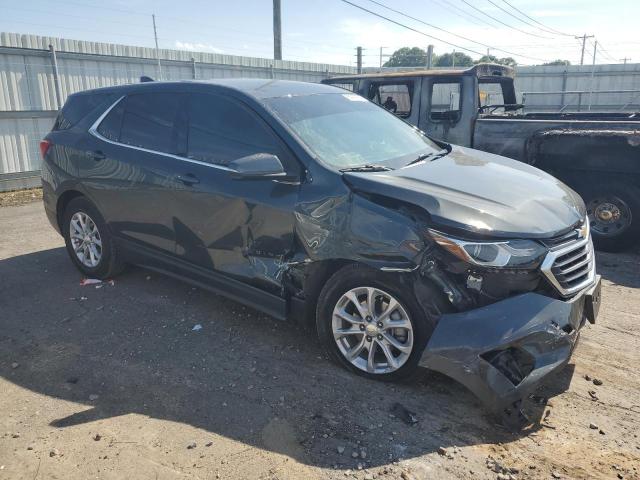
620	268
243	375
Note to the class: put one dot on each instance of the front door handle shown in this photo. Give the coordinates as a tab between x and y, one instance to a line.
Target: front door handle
97	155
188	179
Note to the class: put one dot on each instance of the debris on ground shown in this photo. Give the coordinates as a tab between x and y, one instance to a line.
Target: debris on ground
593	426
97	437
401	412
592	394
93	397
340	449
597	381
15	365
191	446
196	328
89	281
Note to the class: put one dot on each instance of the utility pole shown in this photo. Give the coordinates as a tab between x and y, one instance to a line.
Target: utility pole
429	57
359	59
381	56
277	31
593	72
155	36
584	41
453	59
624	60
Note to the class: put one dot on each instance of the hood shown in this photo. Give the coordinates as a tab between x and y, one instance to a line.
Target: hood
481	193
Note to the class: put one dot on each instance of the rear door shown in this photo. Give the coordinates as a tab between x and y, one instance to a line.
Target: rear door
129	168
448	112
243	228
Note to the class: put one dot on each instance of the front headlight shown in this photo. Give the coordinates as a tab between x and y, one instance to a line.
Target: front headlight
507	253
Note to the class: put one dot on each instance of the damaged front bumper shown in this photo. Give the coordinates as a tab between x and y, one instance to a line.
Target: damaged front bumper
501	352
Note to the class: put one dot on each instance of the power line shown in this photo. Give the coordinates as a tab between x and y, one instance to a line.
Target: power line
519	19
409	28
464	12
501	22
536	21
451	33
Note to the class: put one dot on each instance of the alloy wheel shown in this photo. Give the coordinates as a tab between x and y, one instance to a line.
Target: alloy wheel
373	330
85	239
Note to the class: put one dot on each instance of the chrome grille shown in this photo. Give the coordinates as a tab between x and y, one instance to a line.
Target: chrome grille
571	266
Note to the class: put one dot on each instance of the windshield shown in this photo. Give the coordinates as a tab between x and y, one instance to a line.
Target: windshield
345	130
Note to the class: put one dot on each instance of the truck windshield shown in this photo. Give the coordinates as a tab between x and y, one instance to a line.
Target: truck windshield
345	130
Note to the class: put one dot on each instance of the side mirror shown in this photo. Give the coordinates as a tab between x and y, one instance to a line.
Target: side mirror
257	166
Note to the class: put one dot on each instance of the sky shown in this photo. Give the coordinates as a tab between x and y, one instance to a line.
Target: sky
329	31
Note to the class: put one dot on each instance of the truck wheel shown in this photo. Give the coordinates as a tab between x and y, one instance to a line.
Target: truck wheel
614	214
371	325
88	240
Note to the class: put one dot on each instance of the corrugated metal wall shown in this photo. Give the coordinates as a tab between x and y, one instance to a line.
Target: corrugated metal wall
28	99
623	79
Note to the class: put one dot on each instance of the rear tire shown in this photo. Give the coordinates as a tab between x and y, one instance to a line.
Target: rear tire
397	331
88	240
613	209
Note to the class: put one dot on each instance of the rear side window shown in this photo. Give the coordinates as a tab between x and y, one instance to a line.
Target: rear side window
445	102
395	97
110	126
149	119
346	85
78	107
222	129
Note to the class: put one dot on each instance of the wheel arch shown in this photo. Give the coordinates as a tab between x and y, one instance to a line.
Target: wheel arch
63	201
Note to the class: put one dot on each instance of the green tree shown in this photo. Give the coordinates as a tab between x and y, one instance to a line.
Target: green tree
509	61
558	62
407	57
446	60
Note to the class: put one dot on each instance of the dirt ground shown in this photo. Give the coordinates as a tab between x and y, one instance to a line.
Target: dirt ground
112	381
20	197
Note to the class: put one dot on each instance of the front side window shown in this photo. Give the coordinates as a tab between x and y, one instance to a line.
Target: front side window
490	93
445	102
222	129
395	97
346	130
149	120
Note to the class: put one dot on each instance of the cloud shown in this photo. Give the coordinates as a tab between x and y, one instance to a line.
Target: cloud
197	47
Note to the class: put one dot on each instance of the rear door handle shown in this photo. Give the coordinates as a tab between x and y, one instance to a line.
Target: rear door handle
188	179
97	155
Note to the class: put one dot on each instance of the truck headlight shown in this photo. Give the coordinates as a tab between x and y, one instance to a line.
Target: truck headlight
506	253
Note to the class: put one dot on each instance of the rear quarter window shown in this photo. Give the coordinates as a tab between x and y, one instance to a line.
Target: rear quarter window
78	107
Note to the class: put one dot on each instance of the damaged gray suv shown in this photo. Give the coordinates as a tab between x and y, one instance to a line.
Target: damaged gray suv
311	203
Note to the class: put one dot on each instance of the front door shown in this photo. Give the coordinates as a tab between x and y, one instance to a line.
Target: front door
243	228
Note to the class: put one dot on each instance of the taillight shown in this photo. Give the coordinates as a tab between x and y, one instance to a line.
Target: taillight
44	147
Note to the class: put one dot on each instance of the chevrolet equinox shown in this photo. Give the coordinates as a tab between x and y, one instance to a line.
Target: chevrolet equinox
309	202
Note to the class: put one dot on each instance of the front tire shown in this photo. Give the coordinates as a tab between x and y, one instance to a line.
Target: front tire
88	240
371	323
613	209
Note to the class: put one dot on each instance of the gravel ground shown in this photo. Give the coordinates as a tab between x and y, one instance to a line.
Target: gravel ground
20	197
111	381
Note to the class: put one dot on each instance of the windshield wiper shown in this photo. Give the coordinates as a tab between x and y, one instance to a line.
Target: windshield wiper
429	156
366	168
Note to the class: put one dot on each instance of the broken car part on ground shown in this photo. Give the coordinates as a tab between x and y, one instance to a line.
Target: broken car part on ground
307	202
